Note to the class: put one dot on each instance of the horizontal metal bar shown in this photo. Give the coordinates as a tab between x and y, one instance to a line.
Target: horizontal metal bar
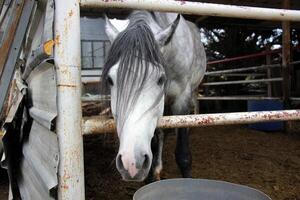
294	98
242	69
197	8
202	98
248	68
243	81
255	55
95	98
99	98
96	125
237	75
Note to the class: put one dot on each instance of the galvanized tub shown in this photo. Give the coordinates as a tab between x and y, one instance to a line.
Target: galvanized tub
197	189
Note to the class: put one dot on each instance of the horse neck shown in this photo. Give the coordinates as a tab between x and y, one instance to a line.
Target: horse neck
164	19
182	38
182	42
147	17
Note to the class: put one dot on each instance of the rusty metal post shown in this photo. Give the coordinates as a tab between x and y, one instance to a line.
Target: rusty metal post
69	119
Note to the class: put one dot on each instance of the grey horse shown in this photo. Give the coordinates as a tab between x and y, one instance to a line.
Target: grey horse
157	61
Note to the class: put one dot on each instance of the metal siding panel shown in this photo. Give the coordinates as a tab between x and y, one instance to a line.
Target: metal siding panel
41	149
29	185
15	50
42	88
42	117
40	152
41	159
39	164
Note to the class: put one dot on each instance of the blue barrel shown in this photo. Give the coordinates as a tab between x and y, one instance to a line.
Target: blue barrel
266	105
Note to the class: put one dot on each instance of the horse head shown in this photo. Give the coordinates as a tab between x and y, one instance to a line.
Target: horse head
135	76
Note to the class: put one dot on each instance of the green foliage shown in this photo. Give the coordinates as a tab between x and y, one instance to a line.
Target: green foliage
231	42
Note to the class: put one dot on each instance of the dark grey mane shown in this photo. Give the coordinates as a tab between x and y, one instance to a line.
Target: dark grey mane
134	48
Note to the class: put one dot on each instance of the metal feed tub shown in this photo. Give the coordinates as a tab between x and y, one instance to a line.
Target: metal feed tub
197	189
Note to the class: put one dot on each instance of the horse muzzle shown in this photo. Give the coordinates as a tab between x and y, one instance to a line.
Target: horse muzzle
135	169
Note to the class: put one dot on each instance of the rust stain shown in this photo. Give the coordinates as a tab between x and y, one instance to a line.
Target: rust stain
71	13
64	186
57	39
66	176
66	85
48	47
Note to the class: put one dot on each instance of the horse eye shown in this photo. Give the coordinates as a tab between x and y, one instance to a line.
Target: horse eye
161	80
110	81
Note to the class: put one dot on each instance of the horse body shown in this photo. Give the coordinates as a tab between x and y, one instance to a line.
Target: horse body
167	73
186	61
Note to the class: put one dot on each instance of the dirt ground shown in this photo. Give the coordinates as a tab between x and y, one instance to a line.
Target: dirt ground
269	162
3	185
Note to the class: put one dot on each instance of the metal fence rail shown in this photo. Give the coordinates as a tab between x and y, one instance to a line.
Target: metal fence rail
238	98
248	68
107	98
243	81
241	69
197	8
96	125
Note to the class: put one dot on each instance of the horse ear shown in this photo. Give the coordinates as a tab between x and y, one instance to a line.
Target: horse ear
164	36
110	30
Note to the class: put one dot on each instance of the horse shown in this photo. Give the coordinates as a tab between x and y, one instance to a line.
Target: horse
157	61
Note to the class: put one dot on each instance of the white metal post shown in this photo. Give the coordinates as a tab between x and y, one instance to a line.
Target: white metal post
68	125
94	125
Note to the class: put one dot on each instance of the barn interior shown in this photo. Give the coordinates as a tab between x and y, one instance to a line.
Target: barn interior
266	160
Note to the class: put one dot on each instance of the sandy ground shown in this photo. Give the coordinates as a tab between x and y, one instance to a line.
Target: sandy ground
269	162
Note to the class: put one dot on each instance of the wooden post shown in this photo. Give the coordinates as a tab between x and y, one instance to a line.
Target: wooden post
286	54
269	74
286	57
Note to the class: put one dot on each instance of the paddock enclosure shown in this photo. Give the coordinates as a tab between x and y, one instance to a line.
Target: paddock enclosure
56	144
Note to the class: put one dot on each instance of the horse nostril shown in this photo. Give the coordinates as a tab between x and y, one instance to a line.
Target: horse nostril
146	162
119	162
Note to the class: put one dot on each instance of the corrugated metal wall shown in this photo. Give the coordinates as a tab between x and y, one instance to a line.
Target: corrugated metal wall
39	163
35	166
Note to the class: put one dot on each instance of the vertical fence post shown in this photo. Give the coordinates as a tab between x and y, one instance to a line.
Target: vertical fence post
269	73
69	119
286	56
